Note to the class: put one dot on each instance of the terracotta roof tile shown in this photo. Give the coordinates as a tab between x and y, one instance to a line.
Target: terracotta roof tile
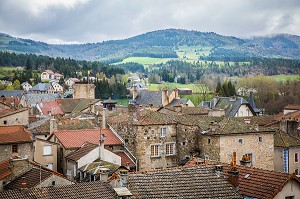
254	182
292	107
4	169
13	134
75	138
82	151
51	107
125	159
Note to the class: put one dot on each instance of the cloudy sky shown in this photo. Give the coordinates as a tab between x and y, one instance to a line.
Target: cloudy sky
82	21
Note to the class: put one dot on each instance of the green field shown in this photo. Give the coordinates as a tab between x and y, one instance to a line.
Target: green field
7	71
284	78
146	61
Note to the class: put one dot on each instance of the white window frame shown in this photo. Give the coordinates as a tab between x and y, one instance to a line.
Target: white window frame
241	139
163	132
168	149
47	150
50	166
156	149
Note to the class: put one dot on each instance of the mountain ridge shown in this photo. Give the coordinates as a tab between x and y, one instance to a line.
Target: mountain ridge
162	43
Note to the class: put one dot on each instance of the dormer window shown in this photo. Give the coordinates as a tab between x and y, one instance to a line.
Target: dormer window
163	132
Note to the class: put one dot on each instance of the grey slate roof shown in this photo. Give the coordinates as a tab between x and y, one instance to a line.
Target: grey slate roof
194	182
92	190
34	98
146	97
179	101
252	103
13	93
43	87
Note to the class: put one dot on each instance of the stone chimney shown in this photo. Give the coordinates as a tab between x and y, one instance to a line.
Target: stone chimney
214	101
134	92
104	113
101	146
53	125
233	173
23	184
123	177
104	174
176	94
165	97
178	108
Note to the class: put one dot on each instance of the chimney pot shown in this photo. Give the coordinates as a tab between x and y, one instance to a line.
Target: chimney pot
23	185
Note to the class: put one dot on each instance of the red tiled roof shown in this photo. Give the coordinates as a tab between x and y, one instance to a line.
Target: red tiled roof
52	107
292	107
125	159
75	138
254	182
49	71
12	134
4	169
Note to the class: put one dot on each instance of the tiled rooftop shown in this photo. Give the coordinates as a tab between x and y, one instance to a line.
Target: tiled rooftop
88	190
283	139
194	182
292	107
4	169
254	182
14	134
7	112
82	151
75	138
51	107
125	159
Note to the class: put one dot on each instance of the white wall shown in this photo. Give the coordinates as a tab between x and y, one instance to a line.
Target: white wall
292	188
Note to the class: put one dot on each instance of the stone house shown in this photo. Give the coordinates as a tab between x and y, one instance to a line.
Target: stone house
11	117
43	88
49	75
45	153
71	81
15	141
159	140
84	90
233	106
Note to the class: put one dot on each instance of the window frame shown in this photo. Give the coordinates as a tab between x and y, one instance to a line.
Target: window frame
296	157
163	132
173	148
156	150
14	148
48	154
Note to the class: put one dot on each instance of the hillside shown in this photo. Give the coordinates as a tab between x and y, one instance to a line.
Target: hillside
163	44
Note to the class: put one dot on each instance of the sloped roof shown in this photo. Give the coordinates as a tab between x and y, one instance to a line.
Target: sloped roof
8	112
49	71
175	101
34	98
12	93
82	151
14	134
94	167
231	106
146	98
52	107
41	87
283	139
4	169
194	182
254	182
292	107
156	118
32	178
75	138
75	105
200	110
125	159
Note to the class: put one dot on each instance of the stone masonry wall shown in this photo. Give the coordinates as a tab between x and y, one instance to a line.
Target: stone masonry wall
210	145
24	150
149	135
20	118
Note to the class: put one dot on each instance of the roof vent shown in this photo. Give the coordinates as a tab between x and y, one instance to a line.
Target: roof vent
247	175
219	168
199	161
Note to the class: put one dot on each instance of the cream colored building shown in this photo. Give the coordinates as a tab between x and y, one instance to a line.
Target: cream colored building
10	117
84	90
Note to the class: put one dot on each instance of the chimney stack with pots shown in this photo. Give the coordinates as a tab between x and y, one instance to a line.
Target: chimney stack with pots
233	173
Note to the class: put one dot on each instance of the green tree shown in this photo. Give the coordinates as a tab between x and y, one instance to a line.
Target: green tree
17	85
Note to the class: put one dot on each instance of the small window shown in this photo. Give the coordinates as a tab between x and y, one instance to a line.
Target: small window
296	157
163	132
170	149
53	183
240	140
260	139
208	141
296	171
289	197
15	148
5	122
155	150
47	150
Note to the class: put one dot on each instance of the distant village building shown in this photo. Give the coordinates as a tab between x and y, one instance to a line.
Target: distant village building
49	75
26	86
84	90
71	81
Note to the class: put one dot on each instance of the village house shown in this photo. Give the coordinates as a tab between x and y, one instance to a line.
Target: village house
49	75
12	97
57	87
26	86
30	100
15	141
233	106
42	88
10	117
71	81
49	108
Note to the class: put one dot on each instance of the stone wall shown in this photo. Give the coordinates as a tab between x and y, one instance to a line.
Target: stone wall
59	181
262	152
20	118
210	146
24	150
86	91
149	135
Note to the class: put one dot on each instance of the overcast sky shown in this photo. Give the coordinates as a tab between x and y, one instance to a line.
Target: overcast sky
82	21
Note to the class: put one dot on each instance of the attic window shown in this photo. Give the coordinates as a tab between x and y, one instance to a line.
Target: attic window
240	140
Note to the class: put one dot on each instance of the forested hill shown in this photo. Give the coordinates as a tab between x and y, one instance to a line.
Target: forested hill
164	44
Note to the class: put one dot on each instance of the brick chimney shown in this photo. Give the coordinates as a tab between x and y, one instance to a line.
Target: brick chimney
23	184
233	173
165	97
